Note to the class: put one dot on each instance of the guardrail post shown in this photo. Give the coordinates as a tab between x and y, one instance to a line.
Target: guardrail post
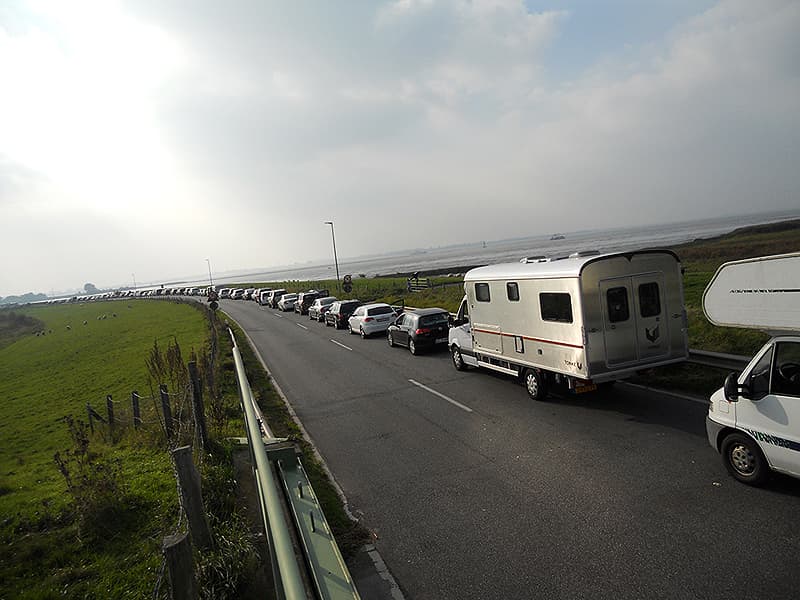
178	552
137	415
192	496
168	424
197	405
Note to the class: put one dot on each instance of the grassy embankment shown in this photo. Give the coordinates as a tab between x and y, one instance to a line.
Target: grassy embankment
52	544
106	541
700	260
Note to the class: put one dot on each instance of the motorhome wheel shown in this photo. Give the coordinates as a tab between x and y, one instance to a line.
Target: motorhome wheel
744	460
535	384
458	360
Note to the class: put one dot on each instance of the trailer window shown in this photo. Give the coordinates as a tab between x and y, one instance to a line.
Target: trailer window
556	307
482	292
617	299
649	300
512	291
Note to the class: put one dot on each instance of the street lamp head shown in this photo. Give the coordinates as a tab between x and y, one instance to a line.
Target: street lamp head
328	222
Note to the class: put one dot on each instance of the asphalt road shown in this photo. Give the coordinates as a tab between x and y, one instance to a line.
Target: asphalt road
476	492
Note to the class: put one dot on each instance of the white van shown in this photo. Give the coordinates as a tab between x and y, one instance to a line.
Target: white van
754	419
575	321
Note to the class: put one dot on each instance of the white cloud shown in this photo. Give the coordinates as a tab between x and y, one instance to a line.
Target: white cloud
271	117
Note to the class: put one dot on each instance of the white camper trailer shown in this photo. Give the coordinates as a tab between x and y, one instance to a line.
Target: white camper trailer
576	321
754	419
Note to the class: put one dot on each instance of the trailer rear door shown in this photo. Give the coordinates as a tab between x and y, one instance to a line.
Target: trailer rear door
634	326
619	323
652	326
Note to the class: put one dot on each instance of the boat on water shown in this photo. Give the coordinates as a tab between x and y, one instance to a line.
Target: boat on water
557	236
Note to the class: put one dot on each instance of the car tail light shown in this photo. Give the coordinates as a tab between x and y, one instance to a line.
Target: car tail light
422	331
368	319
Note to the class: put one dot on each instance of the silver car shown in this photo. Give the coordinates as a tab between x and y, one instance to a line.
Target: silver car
286	303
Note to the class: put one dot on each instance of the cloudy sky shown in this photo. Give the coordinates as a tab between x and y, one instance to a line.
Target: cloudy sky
145	136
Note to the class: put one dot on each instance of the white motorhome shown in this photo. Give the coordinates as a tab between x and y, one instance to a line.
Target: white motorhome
575	321
754	419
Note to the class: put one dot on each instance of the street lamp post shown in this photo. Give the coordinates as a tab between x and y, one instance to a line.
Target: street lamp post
210	281
335	258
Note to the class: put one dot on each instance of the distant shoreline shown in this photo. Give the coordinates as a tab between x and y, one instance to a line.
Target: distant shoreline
777	226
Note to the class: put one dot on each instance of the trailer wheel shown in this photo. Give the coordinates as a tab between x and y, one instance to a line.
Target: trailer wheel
458	360
535	384
744	460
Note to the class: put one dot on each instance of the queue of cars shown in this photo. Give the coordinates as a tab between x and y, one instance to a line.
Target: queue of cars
415	329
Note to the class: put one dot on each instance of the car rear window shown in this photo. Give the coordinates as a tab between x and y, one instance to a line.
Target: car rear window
438	319
324	301
380	310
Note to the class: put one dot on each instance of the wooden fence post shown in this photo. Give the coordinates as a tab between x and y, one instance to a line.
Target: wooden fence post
110	408
137	415
197	406
168	424
178	551
192	496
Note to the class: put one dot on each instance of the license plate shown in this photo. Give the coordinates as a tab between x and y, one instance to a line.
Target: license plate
441	341
581	389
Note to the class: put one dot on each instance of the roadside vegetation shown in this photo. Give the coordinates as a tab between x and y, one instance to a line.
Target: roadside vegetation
85	508
84	512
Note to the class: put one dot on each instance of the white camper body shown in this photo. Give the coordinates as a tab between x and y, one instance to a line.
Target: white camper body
754	419
576	321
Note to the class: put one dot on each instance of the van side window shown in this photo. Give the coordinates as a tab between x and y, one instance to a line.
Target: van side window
482	292
617	299
649	300
512	291
759	376
786	370
556	307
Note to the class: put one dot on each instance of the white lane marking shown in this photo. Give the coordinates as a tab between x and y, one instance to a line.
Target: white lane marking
442	396
666	393
301	326
342	345
277	315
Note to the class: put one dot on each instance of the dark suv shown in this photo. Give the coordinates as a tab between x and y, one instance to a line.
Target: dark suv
339	313
304	300
423	328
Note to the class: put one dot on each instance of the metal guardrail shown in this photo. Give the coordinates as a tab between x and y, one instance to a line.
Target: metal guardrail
327	571
730	362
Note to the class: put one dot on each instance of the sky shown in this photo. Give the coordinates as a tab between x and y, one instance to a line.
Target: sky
140	138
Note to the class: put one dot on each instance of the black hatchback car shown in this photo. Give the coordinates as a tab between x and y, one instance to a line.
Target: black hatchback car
339	313
423	328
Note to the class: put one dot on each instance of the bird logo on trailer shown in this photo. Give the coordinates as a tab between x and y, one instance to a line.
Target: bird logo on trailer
652	337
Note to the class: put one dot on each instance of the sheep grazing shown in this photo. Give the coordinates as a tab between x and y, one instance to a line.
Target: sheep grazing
114	315
68	327
85	323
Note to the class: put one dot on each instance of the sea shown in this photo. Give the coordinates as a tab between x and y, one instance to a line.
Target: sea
454	258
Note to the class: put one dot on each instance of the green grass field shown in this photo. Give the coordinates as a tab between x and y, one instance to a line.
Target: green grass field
45	378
